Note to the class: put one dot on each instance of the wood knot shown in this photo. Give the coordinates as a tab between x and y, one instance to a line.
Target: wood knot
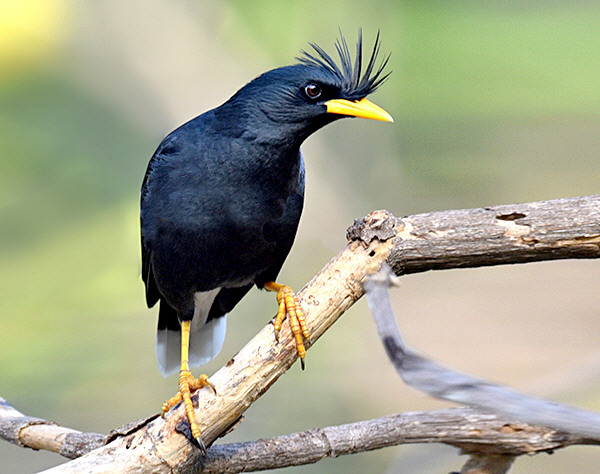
381	225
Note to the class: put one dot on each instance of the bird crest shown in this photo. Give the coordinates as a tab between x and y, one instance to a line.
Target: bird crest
354	81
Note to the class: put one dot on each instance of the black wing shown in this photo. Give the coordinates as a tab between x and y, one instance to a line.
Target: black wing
152	293
166	153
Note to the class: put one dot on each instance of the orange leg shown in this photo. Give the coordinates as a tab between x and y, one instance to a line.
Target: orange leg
289	304
187	385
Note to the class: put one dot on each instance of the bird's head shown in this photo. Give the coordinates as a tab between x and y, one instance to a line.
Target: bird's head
292	102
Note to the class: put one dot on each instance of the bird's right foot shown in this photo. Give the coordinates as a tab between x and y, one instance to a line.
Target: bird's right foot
187	385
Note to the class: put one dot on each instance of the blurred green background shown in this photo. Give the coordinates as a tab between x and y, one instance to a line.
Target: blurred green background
495	102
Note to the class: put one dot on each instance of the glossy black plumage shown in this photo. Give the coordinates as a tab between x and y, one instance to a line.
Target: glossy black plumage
223	194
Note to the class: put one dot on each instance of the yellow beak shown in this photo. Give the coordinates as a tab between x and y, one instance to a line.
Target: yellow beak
358	108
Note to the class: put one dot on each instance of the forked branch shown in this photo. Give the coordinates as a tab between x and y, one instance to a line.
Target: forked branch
564	228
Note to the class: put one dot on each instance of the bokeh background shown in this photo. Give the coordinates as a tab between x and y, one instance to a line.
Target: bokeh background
495	102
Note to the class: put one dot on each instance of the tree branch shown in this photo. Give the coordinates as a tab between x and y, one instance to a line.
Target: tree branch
465	428
36	433
564	228
490	437
447	384
466	238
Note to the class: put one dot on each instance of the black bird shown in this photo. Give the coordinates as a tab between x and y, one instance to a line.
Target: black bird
222	198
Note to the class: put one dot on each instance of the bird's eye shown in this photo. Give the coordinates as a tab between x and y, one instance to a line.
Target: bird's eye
312	91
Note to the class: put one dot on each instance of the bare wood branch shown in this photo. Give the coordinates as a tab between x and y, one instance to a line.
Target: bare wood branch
448	384
36	433
566	228
515	233
493	438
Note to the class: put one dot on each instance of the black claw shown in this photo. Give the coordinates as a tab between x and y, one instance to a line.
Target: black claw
302	364
200	445
183	427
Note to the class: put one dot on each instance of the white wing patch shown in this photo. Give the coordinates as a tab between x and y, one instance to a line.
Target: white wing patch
206	339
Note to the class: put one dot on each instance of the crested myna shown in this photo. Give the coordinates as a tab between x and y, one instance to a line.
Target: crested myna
222	198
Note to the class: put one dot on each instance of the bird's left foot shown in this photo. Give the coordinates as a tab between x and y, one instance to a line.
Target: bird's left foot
289	304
